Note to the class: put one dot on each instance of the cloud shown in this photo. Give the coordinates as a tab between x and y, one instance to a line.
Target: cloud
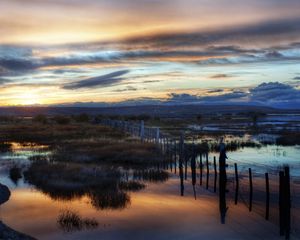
260	32
221	76
100	81
274	54
127	89
215	91
185	98
274	92
17	64
3	81
296	78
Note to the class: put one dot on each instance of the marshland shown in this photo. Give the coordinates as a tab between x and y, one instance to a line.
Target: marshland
76	177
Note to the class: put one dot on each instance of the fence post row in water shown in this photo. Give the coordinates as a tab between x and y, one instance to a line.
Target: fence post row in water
174	148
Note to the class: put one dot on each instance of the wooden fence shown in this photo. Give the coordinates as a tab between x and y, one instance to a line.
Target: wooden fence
267	193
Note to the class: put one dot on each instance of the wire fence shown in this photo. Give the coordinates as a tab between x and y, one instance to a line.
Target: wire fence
256	185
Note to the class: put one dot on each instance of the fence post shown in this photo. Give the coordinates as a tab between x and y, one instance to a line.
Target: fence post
157	136
207	171
142	132
237	185
193	169
215	168
250	190
267	196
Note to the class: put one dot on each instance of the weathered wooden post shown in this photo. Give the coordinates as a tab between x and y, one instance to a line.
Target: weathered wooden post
250	190
193	169
216	175
222	181
267	196
236	184
142	131
157	136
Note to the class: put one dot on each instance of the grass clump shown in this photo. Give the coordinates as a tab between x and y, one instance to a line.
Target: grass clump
70	221
5	147
131	186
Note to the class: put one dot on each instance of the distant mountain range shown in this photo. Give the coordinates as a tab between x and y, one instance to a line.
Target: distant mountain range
153	110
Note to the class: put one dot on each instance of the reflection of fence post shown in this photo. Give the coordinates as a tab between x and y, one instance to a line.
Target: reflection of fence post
207	171
215	168
267	196
175	156
142	132
157	136
201	169
250	190
181	155
287	202
281	203
236	184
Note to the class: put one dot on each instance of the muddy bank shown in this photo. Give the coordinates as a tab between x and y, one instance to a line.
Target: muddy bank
4	194
8	233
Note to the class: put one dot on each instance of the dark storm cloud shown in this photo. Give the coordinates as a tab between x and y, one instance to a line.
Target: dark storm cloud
296	78
100	81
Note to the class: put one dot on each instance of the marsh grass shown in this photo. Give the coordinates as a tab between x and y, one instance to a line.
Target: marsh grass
68	181
120	153
5	147
109	199
54	134
151	175
86	160
70	221
288	139
15	174
131	186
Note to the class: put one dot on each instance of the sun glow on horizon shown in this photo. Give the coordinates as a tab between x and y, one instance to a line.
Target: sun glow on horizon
28	98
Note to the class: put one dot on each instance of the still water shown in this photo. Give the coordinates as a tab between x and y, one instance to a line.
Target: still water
156	212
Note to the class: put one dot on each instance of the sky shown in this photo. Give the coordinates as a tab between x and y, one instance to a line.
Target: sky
129	52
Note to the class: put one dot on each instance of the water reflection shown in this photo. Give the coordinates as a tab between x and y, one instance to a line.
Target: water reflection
70	221
151	175
91	189
222	182
15	174
105	186
110	199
